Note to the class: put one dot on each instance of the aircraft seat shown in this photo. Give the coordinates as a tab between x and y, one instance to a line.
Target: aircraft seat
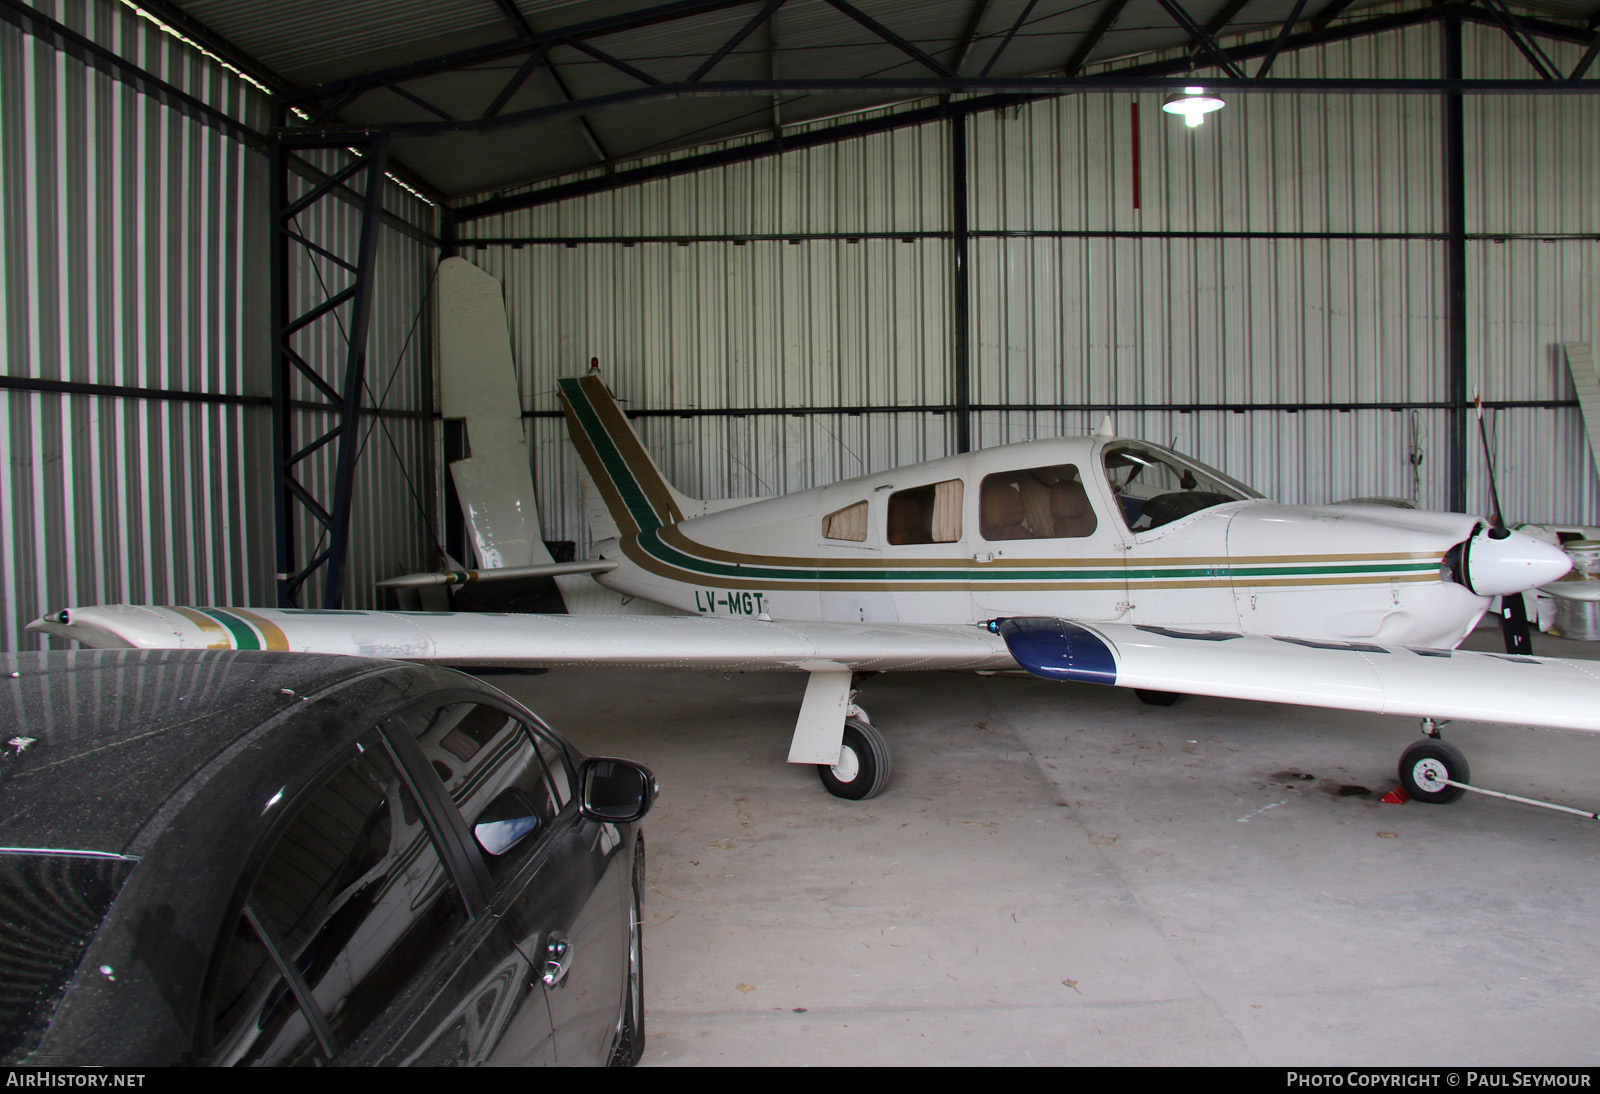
1002	515
1073	515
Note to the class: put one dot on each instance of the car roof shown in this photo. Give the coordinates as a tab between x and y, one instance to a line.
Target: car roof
93	742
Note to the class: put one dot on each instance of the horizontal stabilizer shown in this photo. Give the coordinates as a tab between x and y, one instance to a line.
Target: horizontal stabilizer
502	573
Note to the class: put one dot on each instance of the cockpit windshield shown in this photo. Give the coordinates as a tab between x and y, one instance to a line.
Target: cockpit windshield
1154	486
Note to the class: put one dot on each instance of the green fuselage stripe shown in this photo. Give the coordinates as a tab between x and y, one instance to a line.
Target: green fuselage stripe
978	573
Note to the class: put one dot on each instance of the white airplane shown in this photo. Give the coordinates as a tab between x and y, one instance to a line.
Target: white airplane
1099	559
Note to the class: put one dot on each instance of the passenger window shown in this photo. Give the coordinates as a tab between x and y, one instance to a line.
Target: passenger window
1036	503
849	523
354	896
509	782
926	514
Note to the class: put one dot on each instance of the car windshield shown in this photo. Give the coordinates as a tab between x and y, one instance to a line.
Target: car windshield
1154	487
52	904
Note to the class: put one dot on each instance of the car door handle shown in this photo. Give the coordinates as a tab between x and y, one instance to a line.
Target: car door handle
558	956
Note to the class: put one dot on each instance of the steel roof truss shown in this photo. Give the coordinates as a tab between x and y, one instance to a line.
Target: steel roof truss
1010	34
1283	36
1107	19
615	62
767	11
538	57
1201	38
895	40
1525	44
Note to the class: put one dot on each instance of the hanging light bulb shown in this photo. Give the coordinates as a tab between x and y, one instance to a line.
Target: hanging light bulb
1194	103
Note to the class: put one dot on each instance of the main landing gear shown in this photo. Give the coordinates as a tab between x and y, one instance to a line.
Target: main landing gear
863	768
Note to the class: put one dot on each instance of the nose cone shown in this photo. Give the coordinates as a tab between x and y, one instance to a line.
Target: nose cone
1501	562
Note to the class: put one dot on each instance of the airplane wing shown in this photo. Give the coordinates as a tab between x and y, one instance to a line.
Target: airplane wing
1361	676
488	638
1365	676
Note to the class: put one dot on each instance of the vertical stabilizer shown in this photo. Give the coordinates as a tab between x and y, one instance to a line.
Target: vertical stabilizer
627	493
478	384
1586	381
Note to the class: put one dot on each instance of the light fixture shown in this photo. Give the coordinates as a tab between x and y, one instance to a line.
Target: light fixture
1194	103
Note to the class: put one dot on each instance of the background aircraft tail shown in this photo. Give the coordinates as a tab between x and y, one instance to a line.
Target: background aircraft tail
626	492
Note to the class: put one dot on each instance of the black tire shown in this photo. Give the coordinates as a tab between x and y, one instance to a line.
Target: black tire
1157	698
1424	766
629	1044
863	768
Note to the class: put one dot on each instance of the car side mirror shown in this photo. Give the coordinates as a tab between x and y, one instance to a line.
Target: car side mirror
616	791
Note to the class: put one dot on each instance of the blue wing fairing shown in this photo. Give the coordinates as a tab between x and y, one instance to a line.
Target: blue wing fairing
1058	650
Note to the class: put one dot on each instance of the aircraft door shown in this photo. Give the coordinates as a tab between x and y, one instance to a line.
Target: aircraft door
924	551
854	586
1044	543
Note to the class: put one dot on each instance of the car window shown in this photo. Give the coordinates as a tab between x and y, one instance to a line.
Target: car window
354	901
52	904
509	780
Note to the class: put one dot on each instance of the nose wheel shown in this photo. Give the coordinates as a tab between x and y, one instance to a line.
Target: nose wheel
1428	767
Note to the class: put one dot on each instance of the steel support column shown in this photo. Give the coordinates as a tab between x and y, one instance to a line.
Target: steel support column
350	292
1455	212
961	317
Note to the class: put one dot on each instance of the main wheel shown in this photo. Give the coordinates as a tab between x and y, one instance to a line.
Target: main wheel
629	1043
1424	767
1157	698
863	768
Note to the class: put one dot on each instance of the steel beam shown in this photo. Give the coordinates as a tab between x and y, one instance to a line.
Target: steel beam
1198	34
342	387
1454	172
961	381
1102	26
1005	42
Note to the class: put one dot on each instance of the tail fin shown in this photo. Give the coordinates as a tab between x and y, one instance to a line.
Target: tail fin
628	492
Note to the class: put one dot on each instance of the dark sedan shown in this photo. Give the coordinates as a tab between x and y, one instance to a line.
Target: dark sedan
272	858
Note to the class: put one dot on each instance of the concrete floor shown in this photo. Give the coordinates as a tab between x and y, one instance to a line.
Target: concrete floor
1058	874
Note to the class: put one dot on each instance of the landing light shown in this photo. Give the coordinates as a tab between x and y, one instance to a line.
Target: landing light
1193	103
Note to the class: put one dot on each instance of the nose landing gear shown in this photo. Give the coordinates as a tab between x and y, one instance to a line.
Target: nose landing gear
1436	772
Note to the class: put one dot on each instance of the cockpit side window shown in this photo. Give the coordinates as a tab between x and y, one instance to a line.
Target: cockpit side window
1154	487
849	523
926	514
1035	503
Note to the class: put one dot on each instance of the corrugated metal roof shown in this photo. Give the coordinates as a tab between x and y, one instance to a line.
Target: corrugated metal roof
310	43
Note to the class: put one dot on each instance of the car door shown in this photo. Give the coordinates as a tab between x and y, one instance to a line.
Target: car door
357	941
555	881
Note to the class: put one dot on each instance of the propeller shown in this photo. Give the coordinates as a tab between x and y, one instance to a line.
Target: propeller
1514	629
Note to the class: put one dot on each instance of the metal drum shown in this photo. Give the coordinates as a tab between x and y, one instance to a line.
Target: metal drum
1577	619
1585	555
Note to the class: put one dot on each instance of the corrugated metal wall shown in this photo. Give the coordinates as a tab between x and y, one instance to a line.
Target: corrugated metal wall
1292	251
133	236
